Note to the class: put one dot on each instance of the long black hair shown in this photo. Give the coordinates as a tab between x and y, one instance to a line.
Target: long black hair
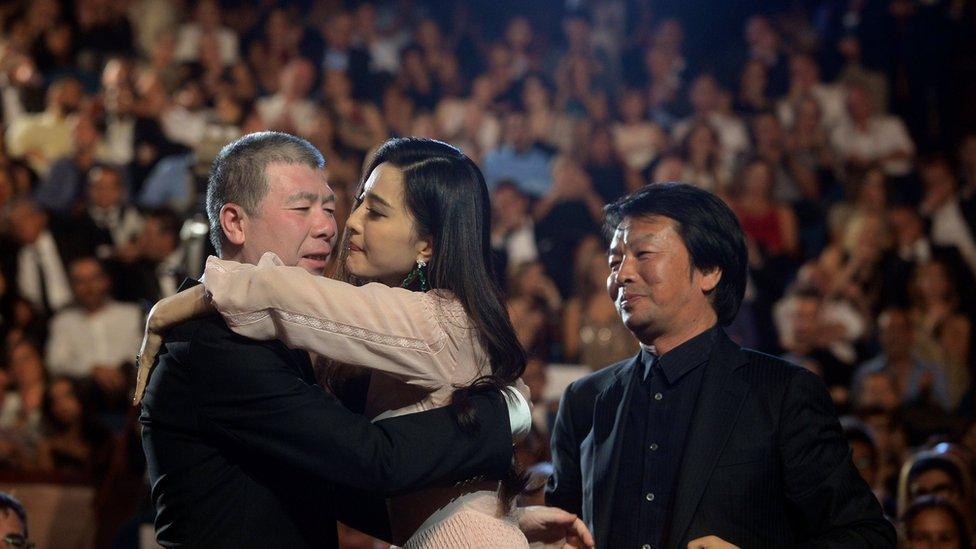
446	194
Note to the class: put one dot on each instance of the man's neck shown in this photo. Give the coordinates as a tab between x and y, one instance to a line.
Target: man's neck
665	342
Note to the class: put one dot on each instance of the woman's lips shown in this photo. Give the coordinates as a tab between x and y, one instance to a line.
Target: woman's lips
353	248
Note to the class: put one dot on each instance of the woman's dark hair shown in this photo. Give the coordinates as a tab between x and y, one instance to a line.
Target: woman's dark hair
446	194
929	503
708	228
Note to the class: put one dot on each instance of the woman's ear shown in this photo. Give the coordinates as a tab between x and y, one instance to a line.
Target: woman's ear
233	221
425	249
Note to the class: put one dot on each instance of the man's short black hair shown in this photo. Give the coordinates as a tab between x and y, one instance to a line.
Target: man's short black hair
708	227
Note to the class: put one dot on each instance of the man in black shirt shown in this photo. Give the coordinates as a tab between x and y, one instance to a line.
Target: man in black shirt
696	442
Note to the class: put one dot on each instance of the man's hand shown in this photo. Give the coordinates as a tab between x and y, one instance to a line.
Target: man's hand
553	528
188	304
711	542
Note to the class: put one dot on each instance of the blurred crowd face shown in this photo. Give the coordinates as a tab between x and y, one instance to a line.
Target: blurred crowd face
804	72
90	284
66	95
65	406
859	105
806	321
897	335
517	133
207	14
934	482
297	78
933	282
28	222
518	33
704	94
878	390
757	181
154	242
295	219
509	206
26	367
933	529
383	242
652	282
105	189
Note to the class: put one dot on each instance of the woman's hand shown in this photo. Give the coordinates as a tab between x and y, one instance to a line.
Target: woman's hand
553	528
190	303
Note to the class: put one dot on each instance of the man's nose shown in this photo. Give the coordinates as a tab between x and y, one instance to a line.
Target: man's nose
324	225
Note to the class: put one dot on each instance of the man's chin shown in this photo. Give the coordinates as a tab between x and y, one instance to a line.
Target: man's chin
315	266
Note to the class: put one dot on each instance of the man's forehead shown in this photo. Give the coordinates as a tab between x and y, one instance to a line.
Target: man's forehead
634	230
285	180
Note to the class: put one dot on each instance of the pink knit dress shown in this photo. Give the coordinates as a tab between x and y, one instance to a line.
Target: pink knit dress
418	346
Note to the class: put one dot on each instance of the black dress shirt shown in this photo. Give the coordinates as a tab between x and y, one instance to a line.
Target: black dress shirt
665	390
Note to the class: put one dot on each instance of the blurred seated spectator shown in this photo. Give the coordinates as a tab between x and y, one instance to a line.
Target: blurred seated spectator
913	247
808	143
669	166
855	73
20	411
468	122
96	340
753	83
152	267
108	222
568	212
865	195
610	177
533	304
768	222
291	109
206	23
512	227
869	137
951	223
76	446
359	126
864	454
592	332
703	166
547	126
637	140
792	181
41	277
915	380
44	137
807	339
62	189
945	331
936	472
705	96
932	521
853	260
13	522
519	159
805	83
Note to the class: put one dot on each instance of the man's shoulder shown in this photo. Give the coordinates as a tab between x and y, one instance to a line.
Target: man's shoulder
590	385
762	369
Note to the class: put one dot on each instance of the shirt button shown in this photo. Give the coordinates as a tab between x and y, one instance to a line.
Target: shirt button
649	497
658	396
653	446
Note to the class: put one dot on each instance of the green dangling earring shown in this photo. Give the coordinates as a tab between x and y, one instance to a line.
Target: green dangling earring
417	272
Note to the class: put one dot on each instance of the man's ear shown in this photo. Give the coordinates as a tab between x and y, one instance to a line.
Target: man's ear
709	279
425	249
233	221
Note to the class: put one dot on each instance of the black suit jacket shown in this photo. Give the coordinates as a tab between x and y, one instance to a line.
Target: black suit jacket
244	450
765	463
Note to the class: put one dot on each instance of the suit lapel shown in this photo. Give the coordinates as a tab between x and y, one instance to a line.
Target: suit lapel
716	412
609	414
